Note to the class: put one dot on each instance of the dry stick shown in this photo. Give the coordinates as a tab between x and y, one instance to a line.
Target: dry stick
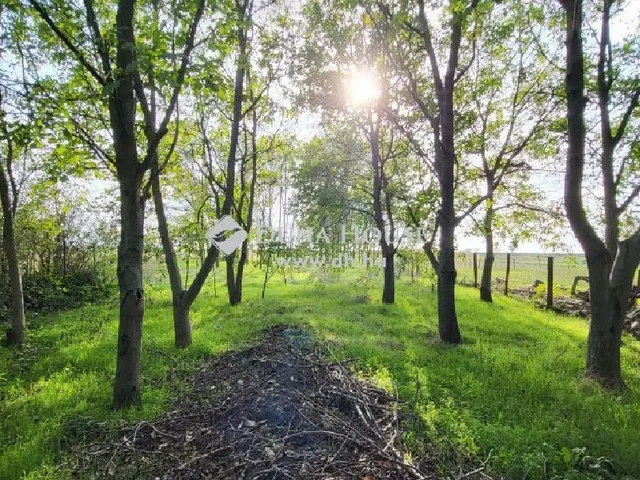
466	475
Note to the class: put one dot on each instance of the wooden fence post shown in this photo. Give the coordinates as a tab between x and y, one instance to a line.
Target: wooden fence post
475	270
549	282
506	279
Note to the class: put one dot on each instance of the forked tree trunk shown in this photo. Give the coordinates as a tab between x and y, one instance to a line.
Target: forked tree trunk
238	92
609	289
611	263
388	289
244	252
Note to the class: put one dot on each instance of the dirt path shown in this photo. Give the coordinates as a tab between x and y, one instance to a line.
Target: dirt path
277	410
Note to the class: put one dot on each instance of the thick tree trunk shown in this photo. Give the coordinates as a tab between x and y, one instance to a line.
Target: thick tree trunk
447	319
122	110
127	386
609	290
603	351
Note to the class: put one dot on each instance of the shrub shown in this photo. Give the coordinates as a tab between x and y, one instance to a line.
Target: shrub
47	293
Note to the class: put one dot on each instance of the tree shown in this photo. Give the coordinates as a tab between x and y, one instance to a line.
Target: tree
509	127
611	261
19	129
436	105
345	49
241	107
329	184
120	80
182	296
9	198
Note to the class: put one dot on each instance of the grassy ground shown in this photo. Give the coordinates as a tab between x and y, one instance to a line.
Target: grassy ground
514	392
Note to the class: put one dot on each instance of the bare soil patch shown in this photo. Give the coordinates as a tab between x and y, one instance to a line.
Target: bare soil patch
277	410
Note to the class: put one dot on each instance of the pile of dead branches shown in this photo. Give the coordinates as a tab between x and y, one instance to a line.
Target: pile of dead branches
277	410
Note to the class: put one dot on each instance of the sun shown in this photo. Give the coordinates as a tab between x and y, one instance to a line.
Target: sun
363	89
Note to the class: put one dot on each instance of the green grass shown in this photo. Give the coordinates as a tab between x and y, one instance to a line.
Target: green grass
514	391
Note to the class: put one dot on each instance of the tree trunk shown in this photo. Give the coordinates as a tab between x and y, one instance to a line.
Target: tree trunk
181	323
127	386
609	289
244	255
238	91
234	294
447	319
16	335
389	290
182	327
122	110
487	268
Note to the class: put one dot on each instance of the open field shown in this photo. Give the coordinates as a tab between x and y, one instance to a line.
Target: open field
526	268
513	393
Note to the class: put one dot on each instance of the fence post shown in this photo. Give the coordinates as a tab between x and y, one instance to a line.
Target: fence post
549	282
506	279
475	270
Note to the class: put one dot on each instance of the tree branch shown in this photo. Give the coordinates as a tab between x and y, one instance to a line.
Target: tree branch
60	34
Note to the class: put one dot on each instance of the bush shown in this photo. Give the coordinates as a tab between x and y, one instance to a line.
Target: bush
47	293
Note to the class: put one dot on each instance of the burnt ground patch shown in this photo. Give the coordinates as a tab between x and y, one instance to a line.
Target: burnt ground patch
277	410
